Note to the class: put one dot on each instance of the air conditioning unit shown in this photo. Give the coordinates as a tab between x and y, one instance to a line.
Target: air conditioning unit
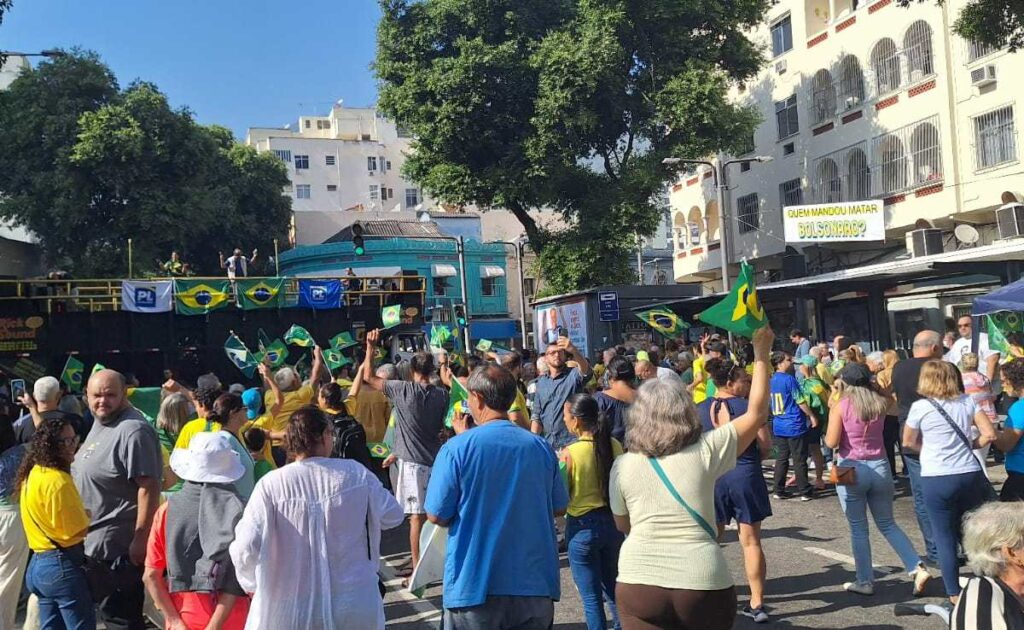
924	242
983	75
1010	220
780	67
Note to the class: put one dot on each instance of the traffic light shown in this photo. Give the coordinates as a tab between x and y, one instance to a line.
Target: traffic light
357	239
460	315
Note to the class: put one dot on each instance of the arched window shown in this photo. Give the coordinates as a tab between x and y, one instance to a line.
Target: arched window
711	222
917	44
693	228
885	61
824	96
858	176
828	185
851	83
926	154
892	161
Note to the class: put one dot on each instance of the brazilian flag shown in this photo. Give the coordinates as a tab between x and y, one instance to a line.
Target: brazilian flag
199	297
73	374
335	359
663	320
276	352
260	293
740	312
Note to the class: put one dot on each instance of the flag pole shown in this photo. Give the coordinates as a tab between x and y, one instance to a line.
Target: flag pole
129	259
277	261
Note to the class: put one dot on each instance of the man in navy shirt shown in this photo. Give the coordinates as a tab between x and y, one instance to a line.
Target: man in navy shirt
496	487
556	387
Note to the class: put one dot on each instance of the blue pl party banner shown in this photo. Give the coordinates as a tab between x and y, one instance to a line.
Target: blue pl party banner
146	297
319	294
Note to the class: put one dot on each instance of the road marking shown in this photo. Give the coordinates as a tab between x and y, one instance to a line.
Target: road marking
423	610
845	559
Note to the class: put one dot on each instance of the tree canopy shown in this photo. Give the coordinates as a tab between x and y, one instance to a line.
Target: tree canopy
996	23
87	165
568	105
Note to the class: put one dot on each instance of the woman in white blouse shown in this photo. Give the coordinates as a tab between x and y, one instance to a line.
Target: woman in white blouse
308	545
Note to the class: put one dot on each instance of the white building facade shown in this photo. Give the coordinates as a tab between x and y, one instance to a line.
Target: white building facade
350	159
860	101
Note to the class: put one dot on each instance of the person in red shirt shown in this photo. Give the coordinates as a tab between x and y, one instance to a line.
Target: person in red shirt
194	585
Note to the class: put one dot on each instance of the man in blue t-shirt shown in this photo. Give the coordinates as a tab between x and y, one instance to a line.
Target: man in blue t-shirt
791	419
556	387
496	487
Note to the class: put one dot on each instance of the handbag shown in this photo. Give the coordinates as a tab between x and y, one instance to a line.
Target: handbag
990	492
686	506
843	475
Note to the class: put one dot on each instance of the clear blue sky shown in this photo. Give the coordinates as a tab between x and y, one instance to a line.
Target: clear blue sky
238	63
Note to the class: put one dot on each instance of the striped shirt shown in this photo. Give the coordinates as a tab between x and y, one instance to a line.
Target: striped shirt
988	604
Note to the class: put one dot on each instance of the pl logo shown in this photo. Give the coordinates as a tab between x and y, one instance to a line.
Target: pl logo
145	298
319	294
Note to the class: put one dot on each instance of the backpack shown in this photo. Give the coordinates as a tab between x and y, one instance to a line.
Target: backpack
350	441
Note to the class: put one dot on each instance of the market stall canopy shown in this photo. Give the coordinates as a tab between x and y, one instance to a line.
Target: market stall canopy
1007	298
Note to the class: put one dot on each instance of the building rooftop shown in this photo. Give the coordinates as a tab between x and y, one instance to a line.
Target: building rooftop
390	229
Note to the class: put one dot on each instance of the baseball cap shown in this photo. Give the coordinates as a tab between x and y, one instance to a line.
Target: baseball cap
252	400
855	375
642	355
809	361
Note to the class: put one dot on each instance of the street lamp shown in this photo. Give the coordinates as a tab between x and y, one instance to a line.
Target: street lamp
51	53
721	183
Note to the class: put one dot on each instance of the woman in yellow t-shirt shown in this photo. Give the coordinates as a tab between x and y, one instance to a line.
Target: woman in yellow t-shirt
593	540
55	524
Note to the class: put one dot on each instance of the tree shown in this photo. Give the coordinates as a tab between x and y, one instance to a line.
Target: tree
995	23
565	104
5	6
113	165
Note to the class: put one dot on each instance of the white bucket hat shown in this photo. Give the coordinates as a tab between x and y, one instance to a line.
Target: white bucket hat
209	458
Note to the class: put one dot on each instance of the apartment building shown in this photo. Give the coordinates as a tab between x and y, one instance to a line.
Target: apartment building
350	159
862	101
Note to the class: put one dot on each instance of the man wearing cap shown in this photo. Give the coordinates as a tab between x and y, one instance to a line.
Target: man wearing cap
191	534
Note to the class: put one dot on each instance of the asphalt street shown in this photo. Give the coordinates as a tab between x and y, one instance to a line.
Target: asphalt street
808	552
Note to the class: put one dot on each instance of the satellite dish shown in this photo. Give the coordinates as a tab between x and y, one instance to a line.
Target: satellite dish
966	234
923	224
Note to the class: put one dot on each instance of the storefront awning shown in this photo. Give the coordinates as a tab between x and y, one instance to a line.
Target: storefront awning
442	271
491	271
493	329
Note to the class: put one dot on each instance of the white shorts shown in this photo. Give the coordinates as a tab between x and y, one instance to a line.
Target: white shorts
411	486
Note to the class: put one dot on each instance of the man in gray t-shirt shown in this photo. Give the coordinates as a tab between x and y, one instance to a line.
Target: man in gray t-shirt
117	472
420	409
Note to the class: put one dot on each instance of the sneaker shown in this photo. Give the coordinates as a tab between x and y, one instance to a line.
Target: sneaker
757	614
860	589
806	497
921	577
780	496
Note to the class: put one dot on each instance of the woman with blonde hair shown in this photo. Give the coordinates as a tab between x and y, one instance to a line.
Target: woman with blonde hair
856	427
662	497
175	412
953	481
891	434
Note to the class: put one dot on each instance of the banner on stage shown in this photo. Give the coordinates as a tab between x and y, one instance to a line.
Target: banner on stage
832	222
264	293
320	294
199	297
147	297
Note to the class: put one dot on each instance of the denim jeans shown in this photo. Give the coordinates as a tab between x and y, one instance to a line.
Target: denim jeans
594	560
948	498
58	580
913	466
873	490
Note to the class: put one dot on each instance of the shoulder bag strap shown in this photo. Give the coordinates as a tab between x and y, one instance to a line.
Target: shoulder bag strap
675	495
959	432
40	528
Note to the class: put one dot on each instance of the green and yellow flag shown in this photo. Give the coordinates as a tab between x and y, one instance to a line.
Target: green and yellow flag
97	368
276	352
240	356
997	329
343	340
73	374
299	336
663	320
457	398
484	345
335	359
199	297
740	312
391	316
260	293
438	335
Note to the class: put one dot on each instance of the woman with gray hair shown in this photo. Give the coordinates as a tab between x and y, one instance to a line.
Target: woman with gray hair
662	496
994	544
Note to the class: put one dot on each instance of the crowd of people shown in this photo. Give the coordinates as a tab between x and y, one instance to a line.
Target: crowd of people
264	507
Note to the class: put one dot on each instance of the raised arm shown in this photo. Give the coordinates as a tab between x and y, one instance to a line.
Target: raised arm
372	381
271	384
565	344
751	422
315	376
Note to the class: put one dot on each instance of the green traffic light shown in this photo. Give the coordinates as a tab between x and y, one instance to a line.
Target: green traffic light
360	250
